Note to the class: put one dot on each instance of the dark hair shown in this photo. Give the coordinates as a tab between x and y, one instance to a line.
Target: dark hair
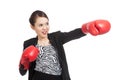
36	14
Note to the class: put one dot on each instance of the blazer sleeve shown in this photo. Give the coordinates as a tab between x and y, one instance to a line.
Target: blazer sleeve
21	67
71	35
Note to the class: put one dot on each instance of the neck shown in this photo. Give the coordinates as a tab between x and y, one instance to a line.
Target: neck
43	41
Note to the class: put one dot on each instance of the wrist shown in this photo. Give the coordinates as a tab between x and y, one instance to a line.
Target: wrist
84	29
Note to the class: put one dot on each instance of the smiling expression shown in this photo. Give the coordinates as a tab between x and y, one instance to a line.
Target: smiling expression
41	27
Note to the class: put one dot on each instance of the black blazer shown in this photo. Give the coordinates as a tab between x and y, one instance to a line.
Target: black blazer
57	39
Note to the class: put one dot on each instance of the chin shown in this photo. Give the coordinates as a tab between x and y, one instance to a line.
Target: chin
44	36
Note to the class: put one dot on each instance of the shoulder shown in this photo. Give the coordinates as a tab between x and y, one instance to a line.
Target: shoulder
30	41
54	34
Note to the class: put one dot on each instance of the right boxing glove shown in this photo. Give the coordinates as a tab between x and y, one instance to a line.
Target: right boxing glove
29	55
96	27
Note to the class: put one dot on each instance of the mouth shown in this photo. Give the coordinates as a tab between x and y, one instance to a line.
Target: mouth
44	32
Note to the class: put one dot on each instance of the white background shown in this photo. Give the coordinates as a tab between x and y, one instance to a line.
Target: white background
89	58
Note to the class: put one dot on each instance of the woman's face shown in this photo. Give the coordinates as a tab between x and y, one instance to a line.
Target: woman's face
41	27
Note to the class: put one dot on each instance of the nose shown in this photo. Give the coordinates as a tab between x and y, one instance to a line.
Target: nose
44	27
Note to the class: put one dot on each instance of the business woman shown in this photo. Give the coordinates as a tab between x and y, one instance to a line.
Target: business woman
44	56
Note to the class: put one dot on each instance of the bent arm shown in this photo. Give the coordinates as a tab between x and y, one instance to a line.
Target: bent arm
21	70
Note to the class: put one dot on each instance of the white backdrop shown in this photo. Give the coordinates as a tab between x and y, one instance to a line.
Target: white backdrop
89	58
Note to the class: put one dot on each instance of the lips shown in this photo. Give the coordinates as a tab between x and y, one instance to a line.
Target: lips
44	32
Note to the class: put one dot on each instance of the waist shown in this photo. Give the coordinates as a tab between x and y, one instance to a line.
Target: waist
41	75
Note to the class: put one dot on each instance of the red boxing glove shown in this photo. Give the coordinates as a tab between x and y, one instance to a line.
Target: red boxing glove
96	27
29	54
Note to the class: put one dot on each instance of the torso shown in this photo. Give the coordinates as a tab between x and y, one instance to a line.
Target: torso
47	61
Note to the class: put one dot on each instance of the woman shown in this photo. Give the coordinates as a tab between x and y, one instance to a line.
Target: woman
43	56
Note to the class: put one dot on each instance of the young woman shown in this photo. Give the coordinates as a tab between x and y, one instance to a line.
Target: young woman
43	56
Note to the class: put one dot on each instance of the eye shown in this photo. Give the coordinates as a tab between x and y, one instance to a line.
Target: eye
40	25
47	23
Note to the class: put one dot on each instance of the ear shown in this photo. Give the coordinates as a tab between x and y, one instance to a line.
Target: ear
32	27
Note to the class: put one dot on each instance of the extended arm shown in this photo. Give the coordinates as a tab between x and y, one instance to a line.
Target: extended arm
96	27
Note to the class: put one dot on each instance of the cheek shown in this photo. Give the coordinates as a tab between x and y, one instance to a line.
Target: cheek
38	30
48	28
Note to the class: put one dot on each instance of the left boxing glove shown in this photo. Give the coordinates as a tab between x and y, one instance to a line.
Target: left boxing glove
96	27
29	55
